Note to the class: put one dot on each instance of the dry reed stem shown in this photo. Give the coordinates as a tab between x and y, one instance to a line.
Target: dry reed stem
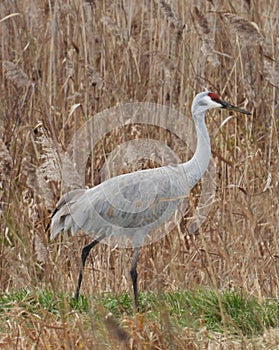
207	34
85	57
248	31
15	74
169	13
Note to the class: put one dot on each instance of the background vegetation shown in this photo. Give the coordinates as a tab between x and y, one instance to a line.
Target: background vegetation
64	61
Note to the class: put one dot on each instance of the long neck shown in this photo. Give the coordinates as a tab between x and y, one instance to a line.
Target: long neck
196	167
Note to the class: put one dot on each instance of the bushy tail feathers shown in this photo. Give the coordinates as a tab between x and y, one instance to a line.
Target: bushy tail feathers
60	217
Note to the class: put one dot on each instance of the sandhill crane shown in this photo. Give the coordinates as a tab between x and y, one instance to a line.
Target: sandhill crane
134	204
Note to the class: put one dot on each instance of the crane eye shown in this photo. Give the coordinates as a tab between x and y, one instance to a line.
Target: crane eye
214	97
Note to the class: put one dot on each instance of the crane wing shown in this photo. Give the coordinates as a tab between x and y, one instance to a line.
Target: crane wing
124	204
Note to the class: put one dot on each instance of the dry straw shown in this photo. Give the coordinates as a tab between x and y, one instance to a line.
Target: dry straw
247	30
169	13
89	56
15	74
206	33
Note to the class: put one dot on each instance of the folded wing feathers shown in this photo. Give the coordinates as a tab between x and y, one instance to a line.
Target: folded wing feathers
78	209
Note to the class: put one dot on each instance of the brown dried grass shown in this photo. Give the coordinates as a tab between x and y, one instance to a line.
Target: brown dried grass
61	65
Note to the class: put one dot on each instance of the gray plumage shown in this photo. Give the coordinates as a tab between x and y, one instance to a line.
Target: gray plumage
127	206
130	206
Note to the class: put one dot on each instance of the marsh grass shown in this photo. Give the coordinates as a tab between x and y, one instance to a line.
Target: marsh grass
198	312
63	62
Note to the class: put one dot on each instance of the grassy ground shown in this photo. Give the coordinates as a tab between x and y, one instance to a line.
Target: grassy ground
62	62
195	320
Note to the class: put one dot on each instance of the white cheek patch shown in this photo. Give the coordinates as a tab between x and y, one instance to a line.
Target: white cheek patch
211	103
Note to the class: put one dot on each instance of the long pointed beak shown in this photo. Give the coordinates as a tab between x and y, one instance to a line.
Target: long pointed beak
233	108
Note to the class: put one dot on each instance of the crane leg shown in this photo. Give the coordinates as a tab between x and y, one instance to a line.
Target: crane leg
134	276
84	255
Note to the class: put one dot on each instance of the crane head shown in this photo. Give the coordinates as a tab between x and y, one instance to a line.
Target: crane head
208	100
